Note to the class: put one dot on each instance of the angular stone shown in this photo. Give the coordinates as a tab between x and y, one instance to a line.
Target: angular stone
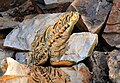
114	66
113	23
99	67
94	14
48	2
22	57
7	23
112	29
3	55
21	73
112	38
23	35
80	46
78	73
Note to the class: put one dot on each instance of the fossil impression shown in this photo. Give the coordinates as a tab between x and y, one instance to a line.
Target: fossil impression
53	41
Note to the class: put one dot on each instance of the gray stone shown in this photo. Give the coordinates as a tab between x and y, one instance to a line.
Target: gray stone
7	23
22	36
22	57
80	46
98	65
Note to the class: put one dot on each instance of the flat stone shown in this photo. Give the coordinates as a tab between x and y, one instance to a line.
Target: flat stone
7	23
22	73
80	46
112	39
23	35
93	13
114	66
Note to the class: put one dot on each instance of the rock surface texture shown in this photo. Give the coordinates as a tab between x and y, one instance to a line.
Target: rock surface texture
112	29
114	66
93	14
20	73
23	35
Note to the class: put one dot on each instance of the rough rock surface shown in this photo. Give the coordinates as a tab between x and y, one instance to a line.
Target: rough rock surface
3	55
6	4
99	67
7	23
112	38
21	73
93	13
114	66
113	23
23	35
112	30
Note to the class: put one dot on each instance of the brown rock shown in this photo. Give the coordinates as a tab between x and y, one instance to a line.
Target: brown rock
99	67
112	30
6	4
114	66
78	73
113	23
93	13
18	13
112	38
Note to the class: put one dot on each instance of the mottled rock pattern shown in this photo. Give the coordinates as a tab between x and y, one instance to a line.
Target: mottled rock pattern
3	55
114	66
112	30
113	23
93	13
99	67
112	38
6	4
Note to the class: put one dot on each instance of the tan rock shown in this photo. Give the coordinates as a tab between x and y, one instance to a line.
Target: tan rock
114	66
20	73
